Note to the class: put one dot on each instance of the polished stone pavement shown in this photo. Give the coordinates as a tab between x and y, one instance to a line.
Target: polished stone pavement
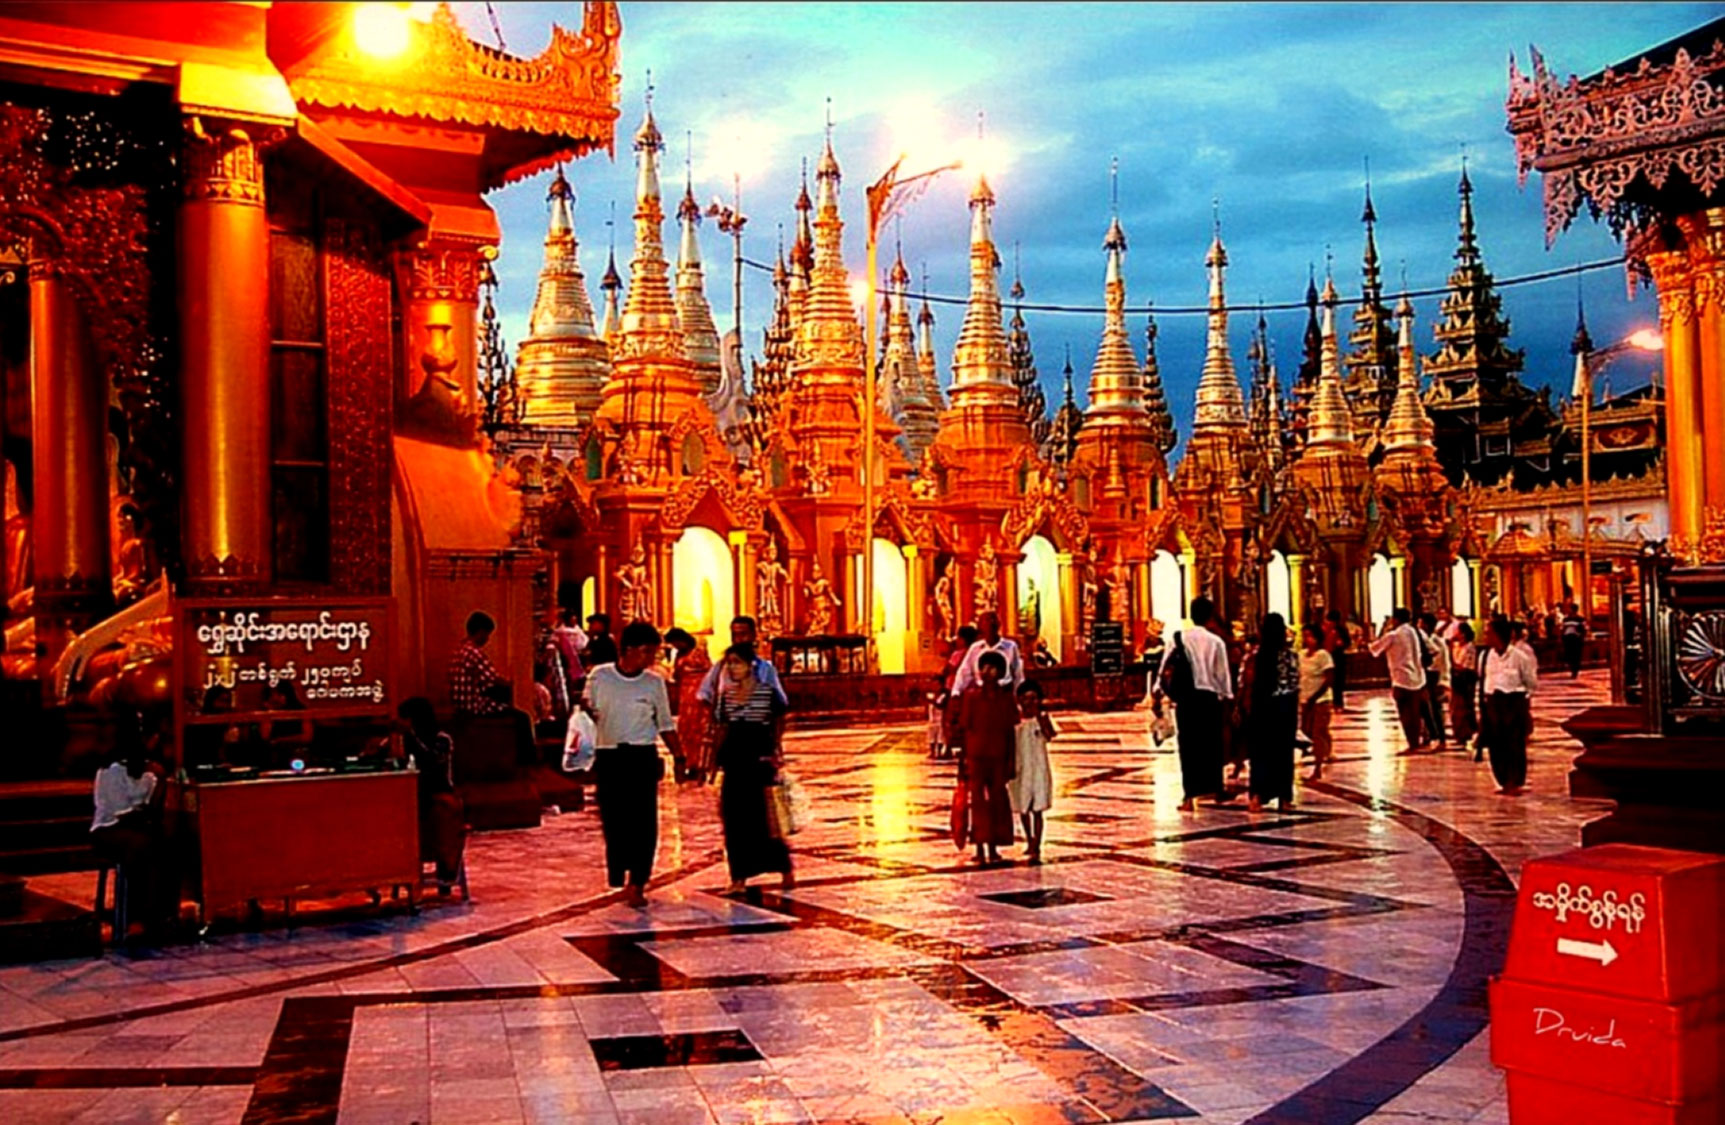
1323	965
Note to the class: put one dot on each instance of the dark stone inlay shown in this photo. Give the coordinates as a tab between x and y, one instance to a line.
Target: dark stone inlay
1359	1087
123	1077
1090	818
689	1048
300	1079
1044	897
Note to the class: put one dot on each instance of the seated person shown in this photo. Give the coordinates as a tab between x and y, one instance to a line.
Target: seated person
126	830
215	744
442	818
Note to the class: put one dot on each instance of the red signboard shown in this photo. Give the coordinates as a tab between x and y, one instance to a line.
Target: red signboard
335	653
1611	1006
1622	919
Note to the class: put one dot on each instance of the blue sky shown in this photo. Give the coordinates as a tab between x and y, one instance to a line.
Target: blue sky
1270	109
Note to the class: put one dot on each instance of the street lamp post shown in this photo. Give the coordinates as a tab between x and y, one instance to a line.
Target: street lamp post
1588	363
885	196
731	222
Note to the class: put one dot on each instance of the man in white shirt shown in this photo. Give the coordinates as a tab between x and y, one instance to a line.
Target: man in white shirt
1511	676
1436	703
967	676
632	711
1404	653
1199	713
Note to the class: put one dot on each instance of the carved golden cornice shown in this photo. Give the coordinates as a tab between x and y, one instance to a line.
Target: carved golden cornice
1593	140
568	91
440	272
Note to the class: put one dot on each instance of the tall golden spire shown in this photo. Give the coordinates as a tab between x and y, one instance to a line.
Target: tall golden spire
980	366
802	253
1331	422
1220	403
899	370
693	312
612	285
650	324
1409	429
829	332
1116	393
927	365
562	365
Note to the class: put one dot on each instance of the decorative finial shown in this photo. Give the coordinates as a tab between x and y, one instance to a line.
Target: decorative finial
1216	216
649	89
689	157
1017	275
981	117
1114	186
829	121
611	226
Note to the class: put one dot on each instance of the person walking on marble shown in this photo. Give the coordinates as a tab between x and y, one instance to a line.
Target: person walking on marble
1196	678
631	710
989	755
1275	716
1032	784
1317	676
1511	676
1403	650
748	712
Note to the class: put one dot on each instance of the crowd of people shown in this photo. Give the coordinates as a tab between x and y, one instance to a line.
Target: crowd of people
1253	707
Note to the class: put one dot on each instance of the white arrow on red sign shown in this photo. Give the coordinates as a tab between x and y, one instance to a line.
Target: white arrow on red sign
1600	951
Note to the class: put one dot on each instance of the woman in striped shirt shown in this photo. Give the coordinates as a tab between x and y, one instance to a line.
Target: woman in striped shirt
749	718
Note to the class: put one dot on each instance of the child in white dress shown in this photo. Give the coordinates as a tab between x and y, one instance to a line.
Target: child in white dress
1032	785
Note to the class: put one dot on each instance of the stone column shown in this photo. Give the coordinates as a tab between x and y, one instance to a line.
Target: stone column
1684	486
1297	589
440	282
1007	597
69	520
224	288
1142	612
743	558
1189	574
849	581
1399	582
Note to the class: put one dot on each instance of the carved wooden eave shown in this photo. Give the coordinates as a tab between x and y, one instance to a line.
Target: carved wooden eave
560	104
1614	140
1046	510
739	509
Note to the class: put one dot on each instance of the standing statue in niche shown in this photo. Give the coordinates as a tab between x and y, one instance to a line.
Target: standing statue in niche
943	612
770	578
1030	612
634	599
1119	593
819	594
987	581
1087	592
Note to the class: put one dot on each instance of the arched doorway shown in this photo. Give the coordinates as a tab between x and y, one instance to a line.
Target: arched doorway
1461	590
891	615
701	587
1277	587
1380	592
1167	591
1039	578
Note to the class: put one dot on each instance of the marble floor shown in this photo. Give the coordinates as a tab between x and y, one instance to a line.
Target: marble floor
1327	964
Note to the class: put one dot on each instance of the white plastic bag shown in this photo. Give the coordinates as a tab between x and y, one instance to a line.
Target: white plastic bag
578	744
797	801
1162	728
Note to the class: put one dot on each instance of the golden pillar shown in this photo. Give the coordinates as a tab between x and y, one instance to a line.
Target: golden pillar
1008	598
1189	574
1684	451
743	557
440	279
225	359
850	583
1476	588
1070	639
1706	235
916	606
69	521
1297	590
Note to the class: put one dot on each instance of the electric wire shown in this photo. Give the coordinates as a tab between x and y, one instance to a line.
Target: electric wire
1256	306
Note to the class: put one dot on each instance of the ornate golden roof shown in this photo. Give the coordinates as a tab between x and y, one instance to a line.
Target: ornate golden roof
567	93
899	372
829	334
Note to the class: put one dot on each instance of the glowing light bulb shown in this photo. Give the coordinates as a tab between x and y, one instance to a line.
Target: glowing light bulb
859	292
381	30
1647	339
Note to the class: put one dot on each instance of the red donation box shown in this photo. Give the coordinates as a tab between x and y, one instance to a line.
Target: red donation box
1611	1007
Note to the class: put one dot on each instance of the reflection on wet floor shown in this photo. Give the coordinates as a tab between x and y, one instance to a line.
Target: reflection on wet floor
1322	964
